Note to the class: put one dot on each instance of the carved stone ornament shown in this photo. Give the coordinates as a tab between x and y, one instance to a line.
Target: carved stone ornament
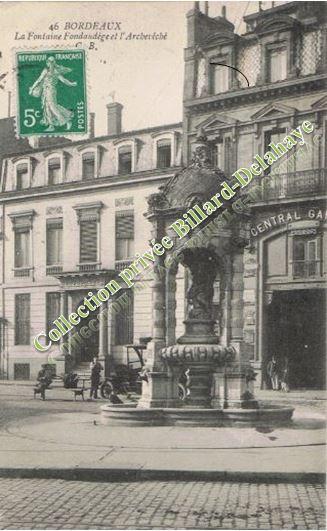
54	211
200	179
217	354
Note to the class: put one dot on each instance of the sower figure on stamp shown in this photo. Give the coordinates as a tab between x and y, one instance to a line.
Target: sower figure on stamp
46	88
273	373
96	369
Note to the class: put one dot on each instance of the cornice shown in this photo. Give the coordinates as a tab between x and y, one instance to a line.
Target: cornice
257	93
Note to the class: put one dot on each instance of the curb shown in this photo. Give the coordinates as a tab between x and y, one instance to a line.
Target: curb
130	475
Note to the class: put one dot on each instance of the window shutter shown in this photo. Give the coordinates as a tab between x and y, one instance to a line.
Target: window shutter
22	319
52	309
54	163
125	224
22	168
125	149
54	241
124	321
88	165
88	241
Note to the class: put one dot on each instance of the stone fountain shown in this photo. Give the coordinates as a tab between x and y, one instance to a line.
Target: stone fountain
215	367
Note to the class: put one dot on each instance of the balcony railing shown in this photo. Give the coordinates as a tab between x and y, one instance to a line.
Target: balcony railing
54	269
22	271
94	266
301	183
122	264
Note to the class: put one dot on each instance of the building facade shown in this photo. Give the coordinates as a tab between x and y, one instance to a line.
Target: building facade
283	286
72	218
73	213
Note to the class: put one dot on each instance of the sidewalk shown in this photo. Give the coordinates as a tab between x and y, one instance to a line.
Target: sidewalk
75	445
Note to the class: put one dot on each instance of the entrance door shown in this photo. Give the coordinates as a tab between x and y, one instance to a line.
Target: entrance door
88	345
296	324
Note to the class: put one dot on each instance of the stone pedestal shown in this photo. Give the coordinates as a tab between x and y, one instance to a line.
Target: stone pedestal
199	385
233	384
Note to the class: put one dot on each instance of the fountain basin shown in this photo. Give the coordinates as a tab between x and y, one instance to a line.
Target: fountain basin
130	415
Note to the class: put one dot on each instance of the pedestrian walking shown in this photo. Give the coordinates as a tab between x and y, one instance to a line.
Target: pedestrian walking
273	373
96	369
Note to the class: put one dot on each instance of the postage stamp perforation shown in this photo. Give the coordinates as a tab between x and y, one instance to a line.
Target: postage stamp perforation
86	86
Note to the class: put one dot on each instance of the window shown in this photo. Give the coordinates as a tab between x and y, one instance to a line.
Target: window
219	78
275	137
88	215
88	241
54	242
124	322
22	176
22	319
124	234
124	160
163	153
277	64
22	248
305	257
54	170
52	309
21	371
88	165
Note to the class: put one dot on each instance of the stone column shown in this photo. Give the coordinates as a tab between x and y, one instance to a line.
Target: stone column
103	335
109	367
171	304
154	386
61	362
238	388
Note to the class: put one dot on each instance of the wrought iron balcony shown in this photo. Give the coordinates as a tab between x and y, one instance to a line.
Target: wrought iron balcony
296	184
22	271
122	264
93	266
54	269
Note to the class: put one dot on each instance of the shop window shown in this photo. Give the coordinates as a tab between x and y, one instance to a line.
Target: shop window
277	64
163	153
22	319
305	257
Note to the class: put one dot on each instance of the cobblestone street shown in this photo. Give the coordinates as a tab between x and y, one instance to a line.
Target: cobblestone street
59	504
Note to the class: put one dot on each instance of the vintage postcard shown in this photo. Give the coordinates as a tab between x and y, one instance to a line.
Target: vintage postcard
163	236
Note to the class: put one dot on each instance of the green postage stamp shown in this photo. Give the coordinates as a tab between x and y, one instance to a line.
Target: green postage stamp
51	92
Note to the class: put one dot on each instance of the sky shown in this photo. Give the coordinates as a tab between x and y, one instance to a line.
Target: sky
145	76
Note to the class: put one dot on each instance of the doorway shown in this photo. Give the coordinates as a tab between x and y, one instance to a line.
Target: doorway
87	346
296	331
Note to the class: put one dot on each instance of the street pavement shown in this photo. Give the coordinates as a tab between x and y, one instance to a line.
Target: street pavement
59	504
265	477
